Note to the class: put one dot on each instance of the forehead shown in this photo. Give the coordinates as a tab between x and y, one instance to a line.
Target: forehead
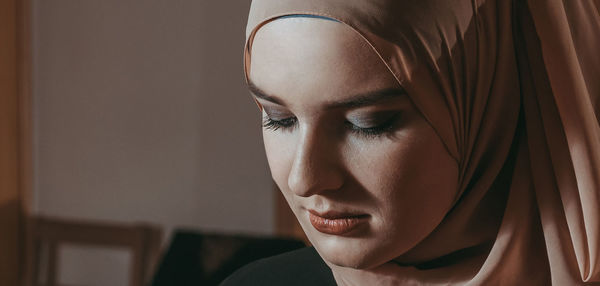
310	60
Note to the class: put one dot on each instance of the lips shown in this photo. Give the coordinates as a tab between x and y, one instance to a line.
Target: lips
336	223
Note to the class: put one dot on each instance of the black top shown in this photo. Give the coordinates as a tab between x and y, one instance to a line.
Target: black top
296	268
197	258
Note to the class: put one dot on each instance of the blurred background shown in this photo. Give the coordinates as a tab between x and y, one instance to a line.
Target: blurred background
120	116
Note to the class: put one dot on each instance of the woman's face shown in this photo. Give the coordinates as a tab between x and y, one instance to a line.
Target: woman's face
362	170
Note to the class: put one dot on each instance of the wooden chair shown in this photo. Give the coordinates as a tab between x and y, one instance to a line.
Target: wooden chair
50	233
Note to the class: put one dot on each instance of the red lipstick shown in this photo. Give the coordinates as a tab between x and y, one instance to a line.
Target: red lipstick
336	223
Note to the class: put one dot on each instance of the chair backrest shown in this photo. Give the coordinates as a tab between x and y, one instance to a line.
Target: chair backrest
142	240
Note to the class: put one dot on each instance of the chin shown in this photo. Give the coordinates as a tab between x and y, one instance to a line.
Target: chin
349	262
352	255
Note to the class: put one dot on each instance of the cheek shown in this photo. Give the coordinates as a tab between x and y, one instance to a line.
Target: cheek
424	184
414	166
413	180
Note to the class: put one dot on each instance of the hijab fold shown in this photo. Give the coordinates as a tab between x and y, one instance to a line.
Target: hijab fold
510	87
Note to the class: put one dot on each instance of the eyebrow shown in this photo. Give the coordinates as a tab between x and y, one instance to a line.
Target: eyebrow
364	99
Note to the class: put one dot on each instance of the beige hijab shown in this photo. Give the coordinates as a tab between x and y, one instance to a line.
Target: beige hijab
511	89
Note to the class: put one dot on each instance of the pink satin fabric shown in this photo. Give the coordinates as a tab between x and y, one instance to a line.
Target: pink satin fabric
511	88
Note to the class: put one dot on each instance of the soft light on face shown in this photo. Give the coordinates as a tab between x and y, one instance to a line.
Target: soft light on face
345	143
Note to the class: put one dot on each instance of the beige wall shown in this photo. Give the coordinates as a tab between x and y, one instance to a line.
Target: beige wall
141	114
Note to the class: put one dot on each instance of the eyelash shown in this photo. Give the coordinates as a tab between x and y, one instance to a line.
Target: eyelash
288	124
285	124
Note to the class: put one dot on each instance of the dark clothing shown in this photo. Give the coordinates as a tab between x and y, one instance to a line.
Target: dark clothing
299	267
196	258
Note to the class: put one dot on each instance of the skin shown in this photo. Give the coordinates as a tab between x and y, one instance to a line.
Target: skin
404	179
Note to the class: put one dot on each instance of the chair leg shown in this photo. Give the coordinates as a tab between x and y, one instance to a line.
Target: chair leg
34	262
52	264
137	268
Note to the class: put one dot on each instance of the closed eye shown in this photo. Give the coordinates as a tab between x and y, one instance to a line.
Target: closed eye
288	124
285	124
383	128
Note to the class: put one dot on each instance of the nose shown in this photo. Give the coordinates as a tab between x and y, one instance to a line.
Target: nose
316	165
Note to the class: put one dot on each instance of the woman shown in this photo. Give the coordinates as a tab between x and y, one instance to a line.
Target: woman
431	142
